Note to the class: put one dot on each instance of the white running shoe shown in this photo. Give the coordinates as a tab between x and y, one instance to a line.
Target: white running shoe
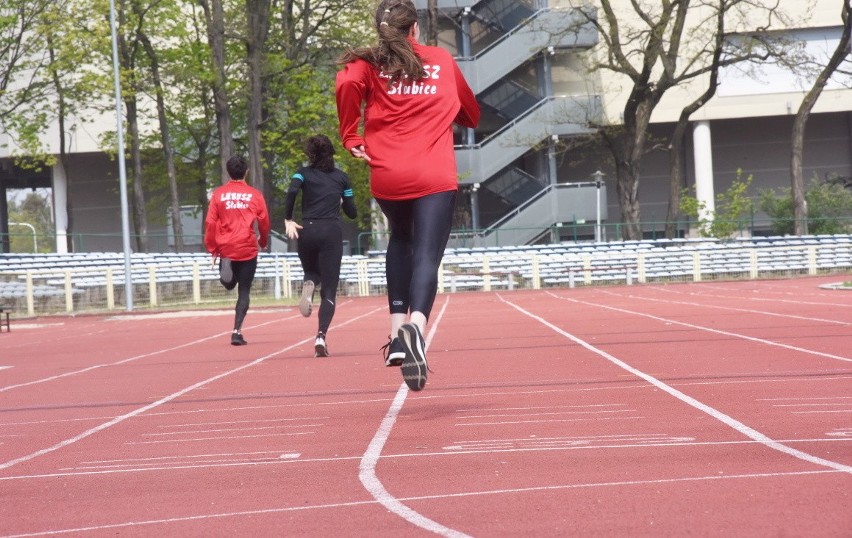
320	349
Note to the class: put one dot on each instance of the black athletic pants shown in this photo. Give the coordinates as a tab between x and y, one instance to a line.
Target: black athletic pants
320	251
419	230
243	278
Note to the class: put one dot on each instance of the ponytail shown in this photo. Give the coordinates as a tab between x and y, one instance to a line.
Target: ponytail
393	54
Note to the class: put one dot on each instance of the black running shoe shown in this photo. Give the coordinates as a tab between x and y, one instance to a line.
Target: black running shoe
226	272
414	367
393	352
305	305
320	347
237	339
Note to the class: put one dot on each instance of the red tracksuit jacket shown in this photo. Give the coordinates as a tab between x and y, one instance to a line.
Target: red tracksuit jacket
229	226
407	128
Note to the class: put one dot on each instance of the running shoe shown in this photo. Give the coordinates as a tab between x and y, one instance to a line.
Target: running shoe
226	272
414	367
393	352
305	305
320	348
237	339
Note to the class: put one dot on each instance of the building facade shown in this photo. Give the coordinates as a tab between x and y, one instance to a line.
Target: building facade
531	171
531	165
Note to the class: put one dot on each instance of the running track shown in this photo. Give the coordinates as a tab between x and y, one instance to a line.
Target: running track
712	409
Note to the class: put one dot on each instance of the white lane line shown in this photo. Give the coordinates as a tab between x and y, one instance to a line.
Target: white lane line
750	311
367	468
547	421
125	361
216	430
466	494
121	418
548	407
5	367
524	415
370	401
254	421
161	465
548	442
689	400
840	436
701	328
762	290
184	456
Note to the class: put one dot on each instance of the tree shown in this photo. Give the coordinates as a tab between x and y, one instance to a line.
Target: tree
33	211
165	140
23	60
305	40
69	45
800	207
257	33
432	22
215	16
731	207
655	47
829	208
721	49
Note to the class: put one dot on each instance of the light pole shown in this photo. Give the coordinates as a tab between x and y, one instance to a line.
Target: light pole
598	175
31	227
122	173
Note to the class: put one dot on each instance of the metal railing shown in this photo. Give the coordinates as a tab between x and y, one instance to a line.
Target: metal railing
41	284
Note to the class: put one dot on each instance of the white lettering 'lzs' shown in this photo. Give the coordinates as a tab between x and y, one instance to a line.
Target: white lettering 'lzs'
404	87
236	196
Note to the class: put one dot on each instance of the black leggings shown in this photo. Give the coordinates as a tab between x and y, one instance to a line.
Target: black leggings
320	251
419	230
243	278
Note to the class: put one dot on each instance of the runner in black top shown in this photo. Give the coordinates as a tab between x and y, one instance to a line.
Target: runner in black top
320	249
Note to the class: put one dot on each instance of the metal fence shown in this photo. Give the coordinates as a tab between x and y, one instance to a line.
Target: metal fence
40	284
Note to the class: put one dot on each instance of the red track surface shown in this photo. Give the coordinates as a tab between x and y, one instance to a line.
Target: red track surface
714	409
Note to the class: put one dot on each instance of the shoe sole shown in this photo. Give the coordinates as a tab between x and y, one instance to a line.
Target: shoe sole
320	351
414	368
238	342
305	306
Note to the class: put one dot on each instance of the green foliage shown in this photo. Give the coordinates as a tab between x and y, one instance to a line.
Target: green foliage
829	208
69	57
731	207
34	210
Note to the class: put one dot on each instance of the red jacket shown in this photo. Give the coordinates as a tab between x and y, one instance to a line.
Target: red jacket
407	128
229	227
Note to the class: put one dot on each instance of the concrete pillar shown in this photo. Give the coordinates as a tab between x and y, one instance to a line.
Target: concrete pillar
470	134
60	207
703	156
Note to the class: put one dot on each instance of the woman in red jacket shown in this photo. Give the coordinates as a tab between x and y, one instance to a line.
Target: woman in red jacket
229	234
411	95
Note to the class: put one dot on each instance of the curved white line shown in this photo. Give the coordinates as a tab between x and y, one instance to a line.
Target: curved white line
367	468
465	494
718	415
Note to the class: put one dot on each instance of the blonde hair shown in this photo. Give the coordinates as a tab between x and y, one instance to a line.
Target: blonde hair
393	54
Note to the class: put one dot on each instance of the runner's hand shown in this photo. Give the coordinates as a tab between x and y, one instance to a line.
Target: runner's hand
291	228
359	153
